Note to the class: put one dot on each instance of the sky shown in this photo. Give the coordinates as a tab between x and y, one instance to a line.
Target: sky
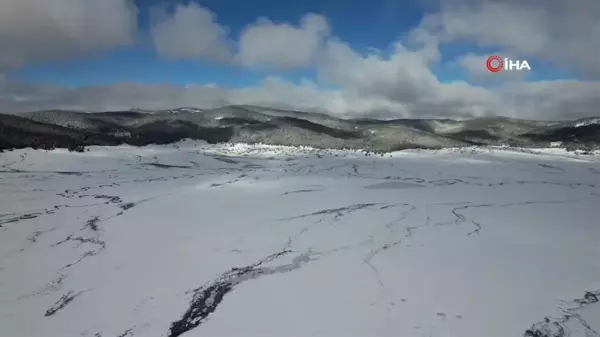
348	58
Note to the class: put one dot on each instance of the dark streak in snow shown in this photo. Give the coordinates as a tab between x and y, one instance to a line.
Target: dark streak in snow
35	235
127	206
27	216
551	167
82	240
206	299
69	173
92	223
339	212
62	302
543	182
230	182
94	241
128	332
167	166
253	166
460	218
301	191
83	257
53	286
557	327
111	199
225	160
68	238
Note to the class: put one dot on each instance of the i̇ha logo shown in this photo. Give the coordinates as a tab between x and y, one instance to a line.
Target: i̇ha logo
496	63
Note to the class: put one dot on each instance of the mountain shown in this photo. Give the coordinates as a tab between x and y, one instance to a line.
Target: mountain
254	124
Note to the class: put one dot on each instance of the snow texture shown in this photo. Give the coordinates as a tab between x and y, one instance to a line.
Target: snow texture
241	240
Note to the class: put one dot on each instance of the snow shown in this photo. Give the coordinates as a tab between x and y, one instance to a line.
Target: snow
128	241
445	127
587	122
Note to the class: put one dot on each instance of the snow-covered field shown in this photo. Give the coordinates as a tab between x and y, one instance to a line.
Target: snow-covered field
270	241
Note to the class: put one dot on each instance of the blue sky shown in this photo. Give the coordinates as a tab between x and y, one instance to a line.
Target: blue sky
334	56
362	24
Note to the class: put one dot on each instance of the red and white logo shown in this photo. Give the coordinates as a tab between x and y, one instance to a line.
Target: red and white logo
495	64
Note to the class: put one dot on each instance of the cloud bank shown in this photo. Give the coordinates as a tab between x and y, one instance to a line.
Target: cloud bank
398	84
39	30
265	43
565	32
190	32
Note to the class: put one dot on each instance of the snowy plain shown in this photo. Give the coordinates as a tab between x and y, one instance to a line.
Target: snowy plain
239	240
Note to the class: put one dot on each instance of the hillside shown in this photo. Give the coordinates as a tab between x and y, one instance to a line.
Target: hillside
252	124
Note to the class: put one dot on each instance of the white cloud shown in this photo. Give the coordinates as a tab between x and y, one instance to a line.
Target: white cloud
404	80
377	84
404	74
190	32
541	100
564	99
265	43
37	30
565	32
